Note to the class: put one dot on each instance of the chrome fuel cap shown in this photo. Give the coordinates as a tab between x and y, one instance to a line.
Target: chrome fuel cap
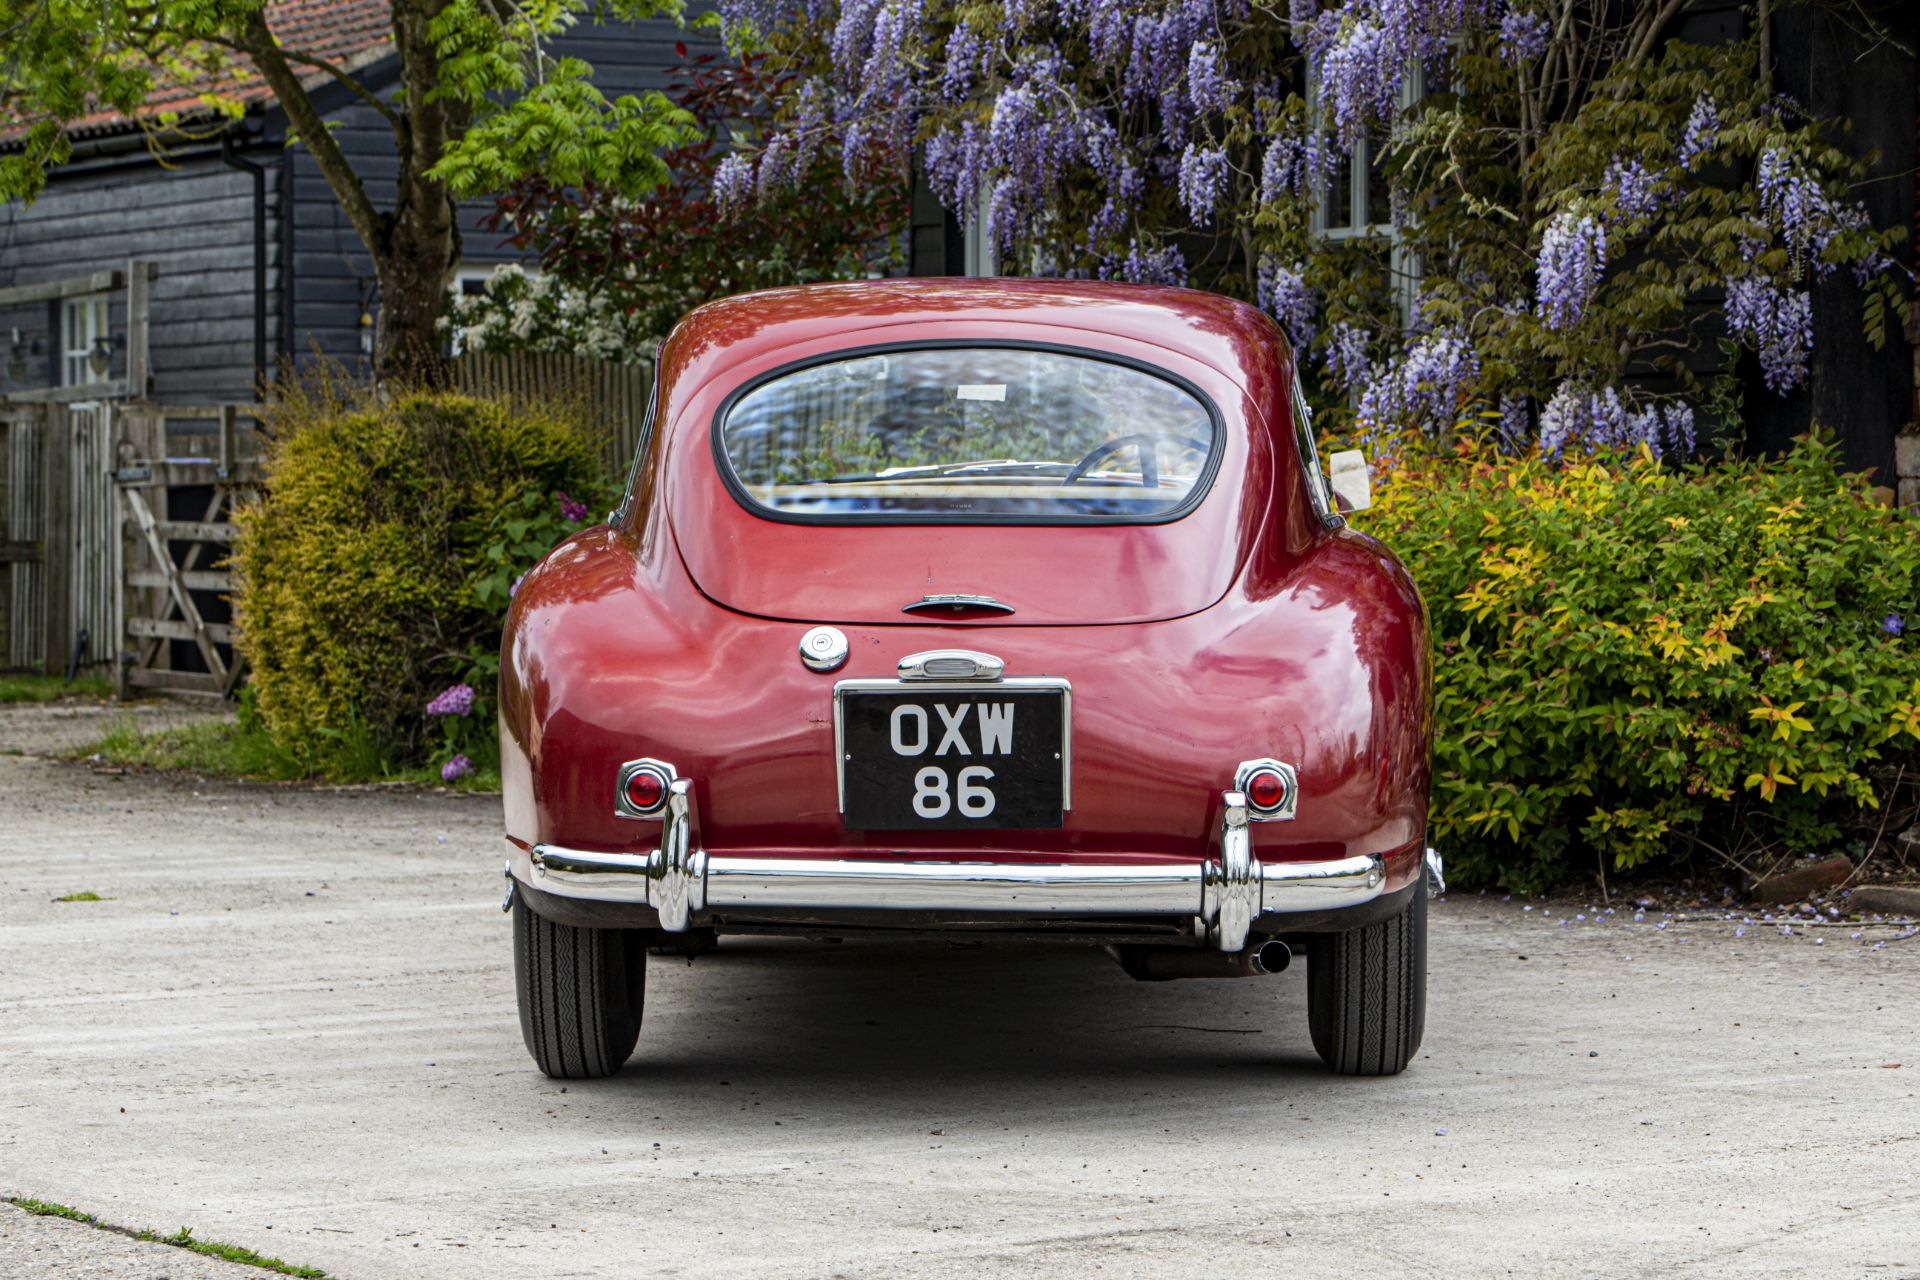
824	649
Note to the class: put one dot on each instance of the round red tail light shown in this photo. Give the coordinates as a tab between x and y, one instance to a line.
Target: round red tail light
1266	789
646	790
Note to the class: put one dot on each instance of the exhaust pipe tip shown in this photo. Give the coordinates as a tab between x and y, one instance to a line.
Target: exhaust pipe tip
1166	964
1272	956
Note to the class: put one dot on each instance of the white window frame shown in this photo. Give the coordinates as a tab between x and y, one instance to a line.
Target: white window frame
1403	263
83	321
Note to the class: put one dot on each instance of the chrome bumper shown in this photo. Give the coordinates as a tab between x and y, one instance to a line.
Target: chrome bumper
1223	895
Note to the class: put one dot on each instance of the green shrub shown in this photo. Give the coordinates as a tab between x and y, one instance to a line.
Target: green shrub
359	595
1630	660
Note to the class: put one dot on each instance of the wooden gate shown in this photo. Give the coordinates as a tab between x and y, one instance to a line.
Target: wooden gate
175	566
22	545
59	544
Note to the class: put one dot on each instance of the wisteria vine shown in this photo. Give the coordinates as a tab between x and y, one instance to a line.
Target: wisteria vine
1198	142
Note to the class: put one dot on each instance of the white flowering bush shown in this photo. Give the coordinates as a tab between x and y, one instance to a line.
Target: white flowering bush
1579	204
529	311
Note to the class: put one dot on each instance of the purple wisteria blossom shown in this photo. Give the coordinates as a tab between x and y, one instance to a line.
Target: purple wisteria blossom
455	769
1425	387
571	509
956	163
1662	428
1020	13
1146	264
733	181
1776	322
1294	166
1578	416
1208	87
1364	50
963	62
1573	253
1636	192
1702	132
1797	205
454	700
1523	37
1347	357
1600	421
1203	180
1283	294
1515	423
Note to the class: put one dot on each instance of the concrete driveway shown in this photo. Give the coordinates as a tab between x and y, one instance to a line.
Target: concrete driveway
291	1027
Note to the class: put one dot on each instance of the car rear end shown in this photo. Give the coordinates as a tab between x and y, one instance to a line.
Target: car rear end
988	625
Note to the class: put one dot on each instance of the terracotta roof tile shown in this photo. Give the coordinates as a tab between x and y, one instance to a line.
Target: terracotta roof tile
348	34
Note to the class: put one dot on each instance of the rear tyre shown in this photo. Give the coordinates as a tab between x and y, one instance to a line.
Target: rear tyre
581	994
1367	993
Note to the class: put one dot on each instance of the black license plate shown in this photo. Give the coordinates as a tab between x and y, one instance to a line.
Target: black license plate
965	758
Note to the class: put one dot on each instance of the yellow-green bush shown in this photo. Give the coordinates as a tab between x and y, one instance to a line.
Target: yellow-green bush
357	599
1631	659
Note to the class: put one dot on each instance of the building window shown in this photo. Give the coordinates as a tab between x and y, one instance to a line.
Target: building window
1355	202
83	327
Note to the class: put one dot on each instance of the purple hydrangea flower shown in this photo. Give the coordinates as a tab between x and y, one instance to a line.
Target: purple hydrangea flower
1573	253
1776	322
1702	132
1893	624
1523	37
571	509
456	769
454	700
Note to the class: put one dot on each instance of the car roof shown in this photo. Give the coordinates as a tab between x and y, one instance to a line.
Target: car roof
1224	334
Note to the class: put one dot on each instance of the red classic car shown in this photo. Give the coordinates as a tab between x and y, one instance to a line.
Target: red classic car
972	608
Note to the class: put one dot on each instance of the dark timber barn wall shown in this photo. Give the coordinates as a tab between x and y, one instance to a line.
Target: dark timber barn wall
196	220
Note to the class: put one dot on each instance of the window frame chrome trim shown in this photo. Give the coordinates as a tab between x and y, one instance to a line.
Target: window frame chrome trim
1319	493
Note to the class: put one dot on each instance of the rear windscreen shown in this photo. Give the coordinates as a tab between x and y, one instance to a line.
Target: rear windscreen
969	433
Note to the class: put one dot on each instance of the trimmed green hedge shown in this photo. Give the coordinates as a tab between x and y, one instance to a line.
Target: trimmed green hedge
1632	660
360	570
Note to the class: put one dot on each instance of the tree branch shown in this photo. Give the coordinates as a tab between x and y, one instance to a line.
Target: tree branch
361	91
258	43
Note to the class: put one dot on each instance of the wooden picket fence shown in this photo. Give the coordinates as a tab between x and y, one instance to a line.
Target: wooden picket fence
613	397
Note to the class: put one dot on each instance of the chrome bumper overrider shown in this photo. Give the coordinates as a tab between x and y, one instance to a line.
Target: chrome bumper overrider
1223	894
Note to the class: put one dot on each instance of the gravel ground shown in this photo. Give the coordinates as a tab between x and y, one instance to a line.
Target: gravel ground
292	1028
